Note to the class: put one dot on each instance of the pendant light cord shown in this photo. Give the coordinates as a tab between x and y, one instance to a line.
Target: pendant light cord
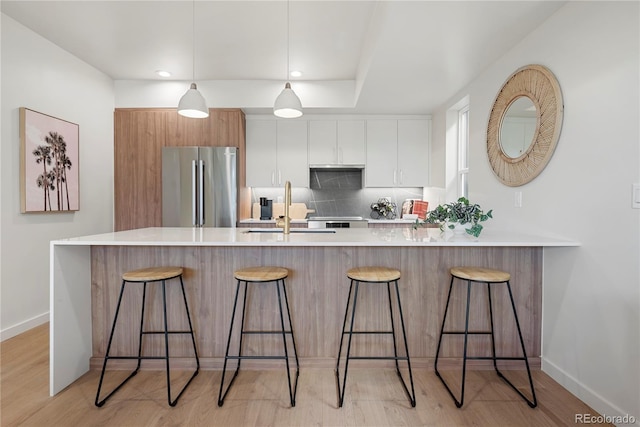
288	43
193	40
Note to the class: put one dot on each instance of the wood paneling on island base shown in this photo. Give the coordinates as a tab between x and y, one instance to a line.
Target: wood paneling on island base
374	397
140	134
318	287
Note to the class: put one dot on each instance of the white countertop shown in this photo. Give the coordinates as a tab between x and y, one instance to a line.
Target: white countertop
269	221
164	236
304	221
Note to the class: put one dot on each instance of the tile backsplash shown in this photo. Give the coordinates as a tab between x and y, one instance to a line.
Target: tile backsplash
339	193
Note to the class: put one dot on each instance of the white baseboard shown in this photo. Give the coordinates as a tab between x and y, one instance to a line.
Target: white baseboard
14	330
588	396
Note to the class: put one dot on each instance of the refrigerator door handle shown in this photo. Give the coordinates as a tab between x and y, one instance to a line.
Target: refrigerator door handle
194	197
201	194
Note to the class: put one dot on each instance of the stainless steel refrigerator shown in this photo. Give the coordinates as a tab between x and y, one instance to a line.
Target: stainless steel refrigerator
199	186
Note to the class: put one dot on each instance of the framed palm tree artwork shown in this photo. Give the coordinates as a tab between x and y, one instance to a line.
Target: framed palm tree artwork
49	178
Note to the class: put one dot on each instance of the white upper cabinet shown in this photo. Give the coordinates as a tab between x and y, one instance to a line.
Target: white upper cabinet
292	153
277	152
397	153
382	153
393	149
413	153
351	142
261	156
336	142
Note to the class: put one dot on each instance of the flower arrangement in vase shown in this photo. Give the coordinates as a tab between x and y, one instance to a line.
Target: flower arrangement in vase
458	214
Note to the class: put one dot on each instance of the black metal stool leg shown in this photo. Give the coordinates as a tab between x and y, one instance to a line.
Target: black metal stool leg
193	336
412	395
284	342
464	353
344	325
166	344
221	395
393	329
534	402
141	330
466	342
99	402
293	341
350	333
493	339
442	333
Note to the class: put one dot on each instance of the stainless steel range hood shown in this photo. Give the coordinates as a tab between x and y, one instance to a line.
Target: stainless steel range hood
333	167
336	177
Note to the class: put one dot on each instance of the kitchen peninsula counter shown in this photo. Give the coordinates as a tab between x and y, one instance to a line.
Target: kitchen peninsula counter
86	274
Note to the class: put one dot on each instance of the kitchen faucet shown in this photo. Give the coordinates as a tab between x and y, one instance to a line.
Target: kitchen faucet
284	222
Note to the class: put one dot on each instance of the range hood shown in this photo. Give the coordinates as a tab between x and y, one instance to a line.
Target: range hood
336	167
336	177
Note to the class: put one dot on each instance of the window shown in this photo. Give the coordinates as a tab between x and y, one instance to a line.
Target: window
463	152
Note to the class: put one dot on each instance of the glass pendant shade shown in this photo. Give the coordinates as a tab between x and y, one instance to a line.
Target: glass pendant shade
287	104
192	104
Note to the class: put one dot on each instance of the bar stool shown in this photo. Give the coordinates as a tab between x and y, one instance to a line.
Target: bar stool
490	277
261	275
145	276
371	275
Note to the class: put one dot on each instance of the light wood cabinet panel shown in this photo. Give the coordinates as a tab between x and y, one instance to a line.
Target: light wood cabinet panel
139	138
140	135
317	289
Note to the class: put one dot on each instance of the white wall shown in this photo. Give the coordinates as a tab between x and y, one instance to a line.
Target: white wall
40	76
591	295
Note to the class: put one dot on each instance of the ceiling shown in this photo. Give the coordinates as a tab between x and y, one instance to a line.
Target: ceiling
402	57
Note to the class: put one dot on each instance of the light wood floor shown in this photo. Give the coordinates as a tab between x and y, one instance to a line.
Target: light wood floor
374	397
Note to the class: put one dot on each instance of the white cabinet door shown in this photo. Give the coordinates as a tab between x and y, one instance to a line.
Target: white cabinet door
382	153
413	153
261	156
397	153
350	142
322	142
336	142
292	153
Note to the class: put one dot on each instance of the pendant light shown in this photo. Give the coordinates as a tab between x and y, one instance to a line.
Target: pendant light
192	103
287	104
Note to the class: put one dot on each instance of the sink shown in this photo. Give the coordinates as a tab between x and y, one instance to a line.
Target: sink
293	230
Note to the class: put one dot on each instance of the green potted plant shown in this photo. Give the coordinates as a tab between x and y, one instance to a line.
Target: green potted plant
459	213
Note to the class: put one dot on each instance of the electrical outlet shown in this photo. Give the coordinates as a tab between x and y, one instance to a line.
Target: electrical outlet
635	200
517	199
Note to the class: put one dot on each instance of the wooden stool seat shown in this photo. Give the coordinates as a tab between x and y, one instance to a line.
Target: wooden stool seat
373	274
152	274
479	274
261	274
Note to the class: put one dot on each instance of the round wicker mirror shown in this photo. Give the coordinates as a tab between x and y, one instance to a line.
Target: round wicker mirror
538	84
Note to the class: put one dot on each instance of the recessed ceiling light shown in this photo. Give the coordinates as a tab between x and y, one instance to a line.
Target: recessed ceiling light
163	73
296	73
